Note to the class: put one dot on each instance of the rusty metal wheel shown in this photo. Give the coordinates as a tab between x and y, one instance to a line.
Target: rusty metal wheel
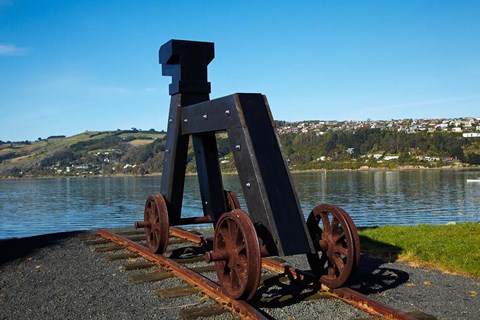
232	200
236	252
337	243
156	223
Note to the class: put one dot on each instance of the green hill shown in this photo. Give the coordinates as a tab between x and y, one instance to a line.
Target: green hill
141	152
374	148
88	153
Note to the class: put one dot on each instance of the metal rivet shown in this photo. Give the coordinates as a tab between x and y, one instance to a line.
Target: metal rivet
206	202
248	185
205	116
227	112
238	147
185	120
170	120
167	150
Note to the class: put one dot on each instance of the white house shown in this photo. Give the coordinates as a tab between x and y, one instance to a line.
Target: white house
387	158
471	135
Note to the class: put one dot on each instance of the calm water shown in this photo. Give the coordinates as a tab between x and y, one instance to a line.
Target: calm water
38	206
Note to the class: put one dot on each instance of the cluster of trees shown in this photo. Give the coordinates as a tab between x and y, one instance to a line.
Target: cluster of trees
26	142
353	149
149	157
8	155
303	148
343	146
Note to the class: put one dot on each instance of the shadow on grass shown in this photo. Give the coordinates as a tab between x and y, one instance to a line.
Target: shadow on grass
12	249
378	249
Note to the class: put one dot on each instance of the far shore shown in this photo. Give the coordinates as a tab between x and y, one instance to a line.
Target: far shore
292	170
400	168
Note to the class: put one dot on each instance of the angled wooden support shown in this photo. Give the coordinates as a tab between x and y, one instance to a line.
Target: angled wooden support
272	203
266	183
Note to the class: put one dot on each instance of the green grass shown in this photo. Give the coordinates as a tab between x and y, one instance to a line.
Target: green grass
451	248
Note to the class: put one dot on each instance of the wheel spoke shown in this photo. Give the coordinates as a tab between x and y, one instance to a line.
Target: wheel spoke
241	273
155	238
331	272
239	240
242	262
228	238
334	226
338	263
152	216
326	222
147	212
241	248
221	240
236	281
231	234
234	233
342	250
340	237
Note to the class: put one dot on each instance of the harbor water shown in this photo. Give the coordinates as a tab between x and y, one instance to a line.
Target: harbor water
39	206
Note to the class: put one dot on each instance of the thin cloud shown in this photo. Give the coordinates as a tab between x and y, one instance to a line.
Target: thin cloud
12	50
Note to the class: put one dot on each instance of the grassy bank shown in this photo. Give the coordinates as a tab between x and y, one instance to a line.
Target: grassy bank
451	248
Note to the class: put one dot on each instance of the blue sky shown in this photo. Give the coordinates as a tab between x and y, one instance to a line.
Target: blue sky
69	66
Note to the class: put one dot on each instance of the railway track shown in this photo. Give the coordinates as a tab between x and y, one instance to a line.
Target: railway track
185	260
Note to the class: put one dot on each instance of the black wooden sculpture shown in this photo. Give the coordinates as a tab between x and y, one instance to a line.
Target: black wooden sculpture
274	225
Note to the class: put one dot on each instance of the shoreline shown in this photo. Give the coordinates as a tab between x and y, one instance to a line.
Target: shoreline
400	168
292	171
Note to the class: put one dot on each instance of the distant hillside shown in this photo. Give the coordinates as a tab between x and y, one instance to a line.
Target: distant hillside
88	153
312	146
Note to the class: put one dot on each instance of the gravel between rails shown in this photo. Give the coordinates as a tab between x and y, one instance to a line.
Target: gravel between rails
59	277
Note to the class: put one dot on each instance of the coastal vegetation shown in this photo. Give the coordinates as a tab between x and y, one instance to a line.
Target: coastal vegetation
451	248
306	147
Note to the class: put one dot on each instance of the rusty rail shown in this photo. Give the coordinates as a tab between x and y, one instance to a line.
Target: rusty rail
213	290
347	295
